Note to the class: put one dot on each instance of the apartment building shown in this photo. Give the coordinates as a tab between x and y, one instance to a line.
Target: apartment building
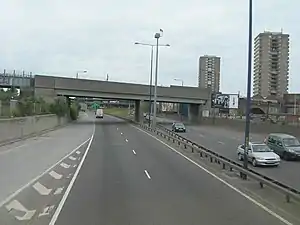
271	64
209	72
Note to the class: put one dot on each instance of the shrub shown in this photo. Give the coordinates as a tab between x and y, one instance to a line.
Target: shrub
74	112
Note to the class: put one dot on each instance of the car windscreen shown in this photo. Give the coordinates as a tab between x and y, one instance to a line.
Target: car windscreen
180	125
261	148
290	142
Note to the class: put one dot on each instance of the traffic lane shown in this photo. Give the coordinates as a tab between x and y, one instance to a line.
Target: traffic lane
109	183
20	165
225	145
175	176
153	186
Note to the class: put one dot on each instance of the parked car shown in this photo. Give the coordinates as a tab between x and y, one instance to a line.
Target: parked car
178	127
259	154
285	145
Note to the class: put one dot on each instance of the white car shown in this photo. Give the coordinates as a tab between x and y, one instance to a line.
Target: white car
259	154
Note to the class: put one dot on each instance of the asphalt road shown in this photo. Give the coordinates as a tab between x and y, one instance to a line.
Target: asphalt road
129	177
22	161
225	142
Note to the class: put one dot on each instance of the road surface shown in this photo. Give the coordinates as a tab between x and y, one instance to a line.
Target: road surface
129	177
225	142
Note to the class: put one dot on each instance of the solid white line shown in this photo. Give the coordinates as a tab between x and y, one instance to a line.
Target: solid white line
55	175
41	189
66	194
126	140
223	181
147	174
42	174
134	152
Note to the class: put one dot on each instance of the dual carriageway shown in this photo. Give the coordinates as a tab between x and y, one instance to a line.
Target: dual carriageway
111	172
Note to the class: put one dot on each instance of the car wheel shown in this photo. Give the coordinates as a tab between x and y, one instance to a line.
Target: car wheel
254	163
240	156
285	156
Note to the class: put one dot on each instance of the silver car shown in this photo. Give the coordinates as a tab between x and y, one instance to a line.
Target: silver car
259	154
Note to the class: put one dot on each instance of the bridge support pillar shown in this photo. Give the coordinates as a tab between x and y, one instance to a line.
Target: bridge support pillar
68	102
137	110
194	113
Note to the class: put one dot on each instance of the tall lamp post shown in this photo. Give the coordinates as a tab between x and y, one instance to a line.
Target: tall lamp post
156	36
77	74
248	105
151	72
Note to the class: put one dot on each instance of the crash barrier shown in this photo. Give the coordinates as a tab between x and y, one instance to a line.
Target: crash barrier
214	157
14	129
287	191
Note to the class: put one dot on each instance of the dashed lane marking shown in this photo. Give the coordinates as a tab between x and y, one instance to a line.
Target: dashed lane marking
41	189
59	190
126	140
16	205
55	175
147	174
46	211
78	152
134	152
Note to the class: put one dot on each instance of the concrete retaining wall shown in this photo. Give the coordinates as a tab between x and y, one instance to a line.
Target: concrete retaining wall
22	127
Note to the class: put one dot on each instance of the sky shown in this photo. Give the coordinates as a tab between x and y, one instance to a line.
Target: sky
63	37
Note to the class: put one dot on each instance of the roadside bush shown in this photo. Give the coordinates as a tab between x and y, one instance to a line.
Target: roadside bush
59	107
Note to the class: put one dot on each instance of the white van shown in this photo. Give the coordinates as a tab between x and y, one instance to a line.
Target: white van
99	113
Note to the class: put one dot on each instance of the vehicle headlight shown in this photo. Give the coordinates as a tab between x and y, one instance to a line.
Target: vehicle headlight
291	150
259	158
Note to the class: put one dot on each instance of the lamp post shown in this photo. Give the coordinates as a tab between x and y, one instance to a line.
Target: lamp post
77	74
151	72
248	105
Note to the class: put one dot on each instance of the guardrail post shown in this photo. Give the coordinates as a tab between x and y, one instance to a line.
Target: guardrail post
223	166
184	146
211	159
261	185
230	169
201	154
178	143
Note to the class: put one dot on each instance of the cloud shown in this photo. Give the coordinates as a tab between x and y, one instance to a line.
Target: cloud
62	37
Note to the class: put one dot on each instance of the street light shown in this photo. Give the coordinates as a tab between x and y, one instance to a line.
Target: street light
248	105
157	36
77	74
151	69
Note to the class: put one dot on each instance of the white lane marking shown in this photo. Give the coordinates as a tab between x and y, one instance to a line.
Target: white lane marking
69	175
66	194
74	165
222	181
18	206
201	135
65	165
72	158
126	140
220	142
39	176
41	189
117	128
55	175
59	190
147	174
78	152
46	211
134	152
121	133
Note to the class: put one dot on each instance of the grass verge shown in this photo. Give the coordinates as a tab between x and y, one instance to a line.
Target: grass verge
121	112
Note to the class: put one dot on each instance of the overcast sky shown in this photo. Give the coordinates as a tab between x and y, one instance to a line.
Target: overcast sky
61	37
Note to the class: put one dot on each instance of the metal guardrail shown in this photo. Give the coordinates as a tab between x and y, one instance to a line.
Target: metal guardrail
289	192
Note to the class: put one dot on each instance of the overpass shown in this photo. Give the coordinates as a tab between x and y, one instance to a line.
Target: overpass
50	86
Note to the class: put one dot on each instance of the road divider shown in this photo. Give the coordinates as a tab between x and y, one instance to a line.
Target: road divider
14	129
